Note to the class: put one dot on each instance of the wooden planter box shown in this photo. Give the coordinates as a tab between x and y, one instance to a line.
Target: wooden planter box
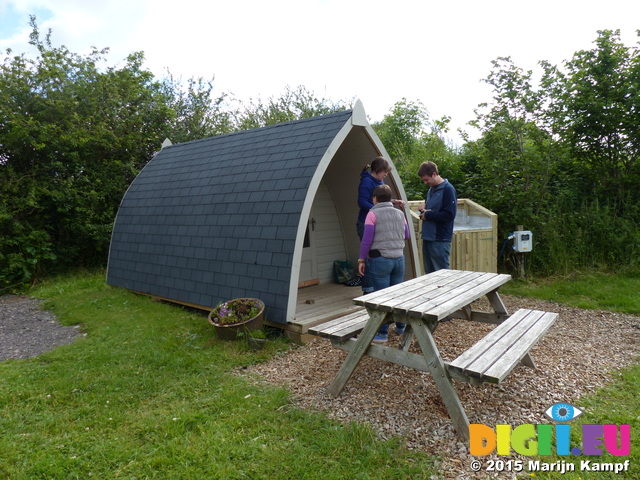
475	237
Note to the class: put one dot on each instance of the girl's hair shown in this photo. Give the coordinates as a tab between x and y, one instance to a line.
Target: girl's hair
382	193
379	164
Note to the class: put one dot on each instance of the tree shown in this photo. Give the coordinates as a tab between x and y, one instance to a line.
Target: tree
291	105
410	139
196	113
562	160
72	138
595	111
516	168
517	160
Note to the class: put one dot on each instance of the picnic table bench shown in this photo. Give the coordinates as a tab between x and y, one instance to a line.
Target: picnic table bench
423	302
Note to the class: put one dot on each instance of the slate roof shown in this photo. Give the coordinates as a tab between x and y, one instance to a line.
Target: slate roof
215	219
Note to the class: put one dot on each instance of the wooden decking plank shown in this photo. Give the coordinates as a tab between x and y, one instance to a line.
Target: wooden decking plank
320	303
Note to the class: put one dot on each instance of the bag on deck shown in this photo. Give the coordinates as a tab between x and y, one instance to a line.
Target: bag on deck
342	271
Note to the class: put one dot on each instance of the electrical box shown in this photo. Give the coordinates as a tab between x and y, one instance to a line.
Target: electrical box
522	241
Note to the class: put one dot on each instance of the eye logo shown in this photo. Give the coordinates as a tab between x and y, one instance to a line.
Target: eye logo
563	412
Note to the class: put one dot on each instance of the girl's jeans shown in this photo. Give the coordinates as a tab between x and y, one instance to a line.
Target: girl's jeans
385	272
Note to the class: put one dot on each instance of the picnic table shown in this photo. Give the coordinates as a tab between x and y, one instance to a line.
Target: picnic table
422	303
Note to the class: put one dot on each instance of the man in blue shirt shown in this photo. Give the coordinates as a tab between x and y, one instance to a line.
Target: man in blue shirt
437	215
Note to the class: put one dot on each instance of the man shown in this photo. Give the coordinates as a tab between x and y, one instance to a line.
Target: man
437	214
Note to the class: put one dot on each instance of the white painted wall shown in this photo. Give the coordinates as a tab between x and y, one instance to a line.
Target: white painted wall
328	233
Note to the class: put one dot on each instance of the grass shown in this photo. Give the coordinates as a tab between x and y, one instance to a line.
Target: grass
616	293
149	393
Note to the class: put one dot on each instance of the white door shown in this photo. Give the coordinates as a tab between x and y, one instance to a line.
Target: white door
309	263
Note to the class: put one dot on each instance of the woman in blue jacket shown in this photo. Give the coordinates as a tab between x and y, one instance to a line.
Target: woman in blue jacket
371	177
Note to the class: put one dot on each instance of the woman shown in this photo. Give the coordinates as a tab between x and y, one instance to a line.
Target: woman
372	176
382	248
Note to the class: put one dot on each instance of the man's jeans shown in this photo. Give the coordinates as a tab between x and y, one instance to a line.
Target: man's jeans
435	255
385	272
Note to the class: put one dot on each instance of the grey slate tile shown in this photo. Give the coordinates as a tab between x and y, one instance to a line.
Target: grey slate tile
216	218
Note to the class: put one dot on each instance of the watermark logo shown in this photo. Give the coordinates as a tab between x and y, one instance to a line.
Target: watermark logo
563	412
550	439
547	439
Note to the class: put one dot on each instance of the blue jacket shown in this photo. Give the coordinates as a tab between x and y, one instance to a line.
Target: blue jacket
442	206
368	183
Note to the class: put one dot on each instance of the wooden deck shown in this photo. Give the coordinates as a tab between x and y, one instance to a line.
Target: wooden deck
318	304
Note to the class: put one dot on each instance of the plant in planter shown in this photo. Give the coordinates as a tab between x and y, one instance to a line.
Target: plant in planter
235	316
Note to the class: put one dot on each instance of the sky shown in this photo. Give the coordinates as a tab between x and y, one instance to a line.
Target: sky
380	52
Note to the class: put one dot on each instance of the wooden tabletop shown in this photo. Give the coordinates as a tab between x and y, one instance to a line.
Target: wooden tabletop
435	295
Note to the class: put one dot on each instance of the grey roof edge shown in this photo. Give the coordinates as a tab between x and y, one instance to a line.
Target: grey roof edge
347	113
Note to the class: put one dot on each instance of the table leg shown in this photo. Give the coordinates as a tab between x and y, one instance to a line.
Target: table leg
406	339
442	378
496	302
376	319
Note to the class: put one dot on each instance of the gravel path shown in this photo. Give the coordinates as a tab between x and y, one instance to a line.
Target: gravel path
26	330
575	357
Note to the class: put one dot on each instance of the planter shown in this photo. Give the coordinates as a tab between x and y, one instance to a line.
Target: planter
231	331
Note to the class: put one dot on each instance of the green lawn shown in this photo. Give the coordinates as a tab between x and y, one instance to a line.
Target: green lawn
616	293
149	393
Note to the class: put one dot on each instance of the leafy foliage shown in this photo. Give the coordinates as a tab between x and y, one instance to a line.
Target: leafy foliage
73	136
410	139
196	113
595	112
291	105
563	160
74	133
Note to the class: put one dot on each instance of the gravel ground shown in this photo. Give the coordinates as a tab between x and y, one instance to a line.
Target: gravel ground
576	357
26	330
